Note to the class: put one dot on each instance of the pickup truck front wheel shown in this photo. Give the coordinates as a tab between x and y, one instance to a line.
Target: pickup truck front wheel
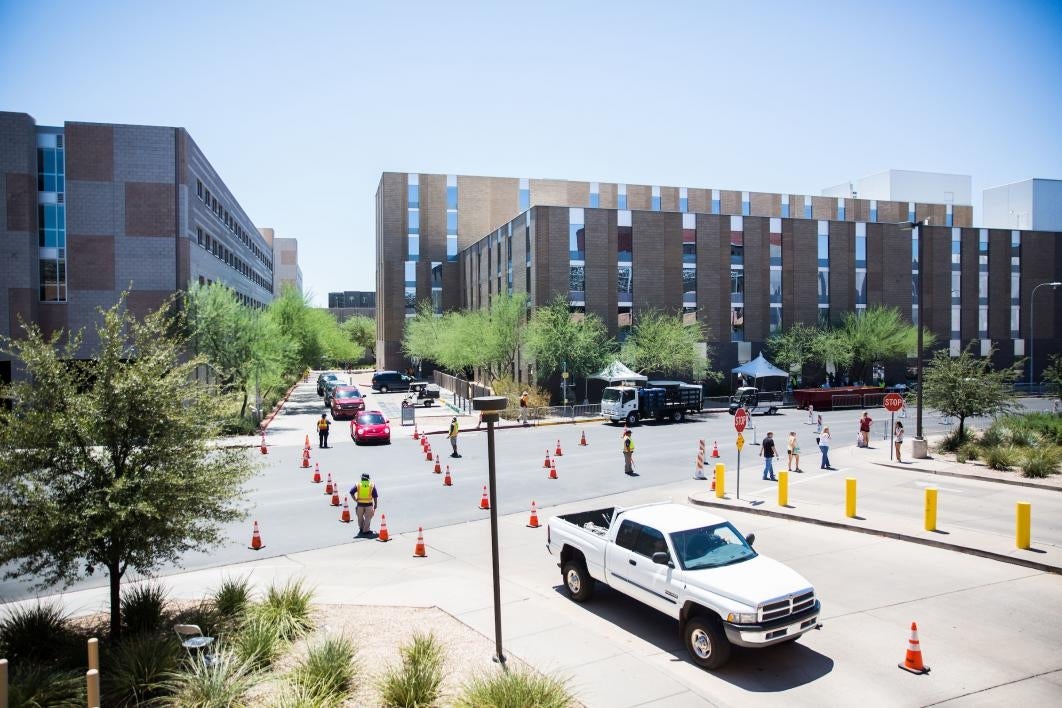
706	642
577	581
632	419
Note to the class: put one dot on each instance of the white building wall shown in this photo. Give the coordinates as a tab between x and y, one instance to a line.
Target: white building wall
907	186
1029	204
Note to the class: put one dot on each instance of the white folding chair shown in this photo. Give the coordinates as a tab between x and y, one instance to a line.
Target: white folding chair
194	642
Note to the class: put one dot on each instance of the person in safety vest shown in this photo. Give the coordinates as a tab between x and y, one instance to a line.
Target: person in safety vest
322	431
628	454
365	500
453	436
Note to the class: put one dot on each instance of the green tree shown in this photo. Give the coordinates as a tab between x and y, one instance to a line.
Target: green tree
663	344
794	347
421	339
1052	374
556	336
878	334
112	463
361	330
966	386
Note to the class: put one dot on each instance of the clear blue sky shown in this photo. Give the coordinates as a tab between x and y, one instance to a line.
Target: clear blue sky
301	106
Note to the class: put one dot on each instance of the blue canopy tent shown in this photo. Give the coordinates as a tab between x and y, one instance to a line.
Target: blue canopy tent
759	368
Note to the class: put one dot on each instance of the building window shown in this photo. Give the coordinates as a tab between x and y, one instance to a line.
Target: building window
684	200
745	205
199	188
861	266
775	276
715	201
624	237
785	206
982	283
595	195
576	234
51	217
874	210
577	282
689	238
1015	284
824	268
947	215
525	194
689	286
436	287
451	218
807	207
840	208
910	211
737	324
621	196
623	283
737	279
655	203
956	291
624	322
411	288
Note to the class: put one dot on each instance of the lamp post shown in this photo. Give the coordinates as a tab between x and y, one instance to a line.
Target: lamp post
919	445
1032	330
488	406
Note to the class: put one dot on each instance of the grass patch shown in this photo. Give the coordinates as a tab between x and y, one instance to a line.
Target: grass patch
136	670
143	608
36	634
1001	457
1040	462
969	451
286	609
36	686
418	681
257	643
220	684
954	440
515	689
327	673
232	597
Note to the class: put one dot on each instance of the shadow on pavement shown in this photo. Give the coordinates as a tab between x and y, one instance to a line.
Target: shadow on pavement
775	668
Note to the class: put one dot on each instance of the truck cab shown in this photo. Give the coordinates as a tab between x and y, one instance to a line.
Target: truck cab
662	400
754	401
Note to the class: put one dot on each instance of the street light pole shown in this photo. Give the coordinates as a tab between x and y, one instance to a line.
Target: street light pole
489	407
1032	330
913	226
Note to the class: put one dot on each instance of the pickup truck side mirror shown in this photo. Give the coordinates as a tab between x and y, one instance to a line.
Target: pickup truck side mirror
661	558
751	538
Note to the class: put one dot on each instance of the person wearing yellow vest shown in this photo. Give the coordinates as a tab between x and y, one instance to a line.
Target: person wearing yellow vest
453	436
628	454
365	500
322	431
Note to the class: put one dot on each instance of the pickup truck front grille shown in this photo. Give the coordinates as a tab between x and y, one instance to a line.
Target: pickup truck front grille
788	606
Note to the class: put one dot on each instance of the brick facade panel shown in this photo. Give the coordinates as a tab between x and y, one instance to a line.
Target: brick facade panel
601	266
91	265
969	266
89	152
657	261
999	284
639	196
20	202
764	204
144	153
149	209
842	269
757	278
713	275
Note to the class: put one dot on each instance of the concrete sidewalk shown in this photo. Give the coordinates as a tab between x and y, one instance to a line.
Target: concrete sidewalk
818	497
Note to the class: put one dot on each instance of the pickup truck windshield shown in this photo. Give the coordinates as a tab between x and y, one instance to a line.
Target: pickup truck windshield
710	547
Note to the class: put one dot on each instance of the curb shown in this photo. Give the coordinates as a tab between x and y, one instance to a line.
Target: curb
982	478
895	535
280	404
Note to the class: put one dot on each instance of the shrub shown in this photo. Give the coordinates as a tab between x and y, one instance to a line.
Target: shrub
993	436
1041	461
327	673
36	634
954	440
257	643
969	451
219	684
515	689
35	686
536	397
287	609
232	597
136	670
1001	457
143	607
417	682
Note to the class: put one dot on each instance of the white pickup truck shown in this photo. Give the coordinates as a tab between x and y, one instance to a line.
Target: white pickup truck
691	565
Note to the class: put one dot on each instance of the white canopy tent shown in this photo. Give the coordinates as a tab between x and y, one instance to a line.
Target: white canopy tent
617	372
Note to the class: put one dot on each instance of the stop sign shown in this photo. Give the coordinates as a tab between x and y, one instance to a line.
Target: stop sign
892	402
741	418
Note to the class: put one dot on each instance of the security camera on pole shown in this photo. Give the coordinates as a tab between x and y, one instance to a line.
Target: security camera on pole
741	419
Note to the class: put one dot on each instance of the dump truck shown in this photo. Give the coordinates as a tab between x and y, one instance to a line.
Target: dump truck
660	400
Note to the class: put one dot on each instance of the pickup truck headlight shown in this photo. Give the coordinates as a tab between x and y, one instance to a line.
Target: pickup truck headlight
742	617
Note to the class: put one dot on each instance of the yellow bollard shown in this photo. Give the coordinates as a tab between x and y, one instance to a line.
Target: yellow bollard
1024	532
931	509
720	480
783	489
93	680
850	497
3	683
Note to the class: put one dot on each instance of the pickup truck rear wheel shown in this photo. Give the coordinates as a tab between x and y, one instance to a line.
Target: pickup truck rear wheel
706	642
577	581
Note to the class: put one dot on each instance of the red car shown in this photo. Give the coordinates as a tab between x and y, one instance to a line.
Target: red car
346	402
370	425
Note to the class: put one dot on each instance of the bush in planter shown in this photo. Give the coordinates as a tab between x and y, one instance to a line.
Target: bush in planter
37	634
954	440
143	608
1001	457
515	689
136	669
969	451
33	686
418	681
1039	462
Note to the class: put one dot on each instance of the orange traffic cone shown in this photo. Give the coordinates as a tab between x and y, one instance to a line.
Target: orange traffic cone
345	516
553	470
533	522
256	539
306	445
305	458
383	535
557	452
913	661
416	435
582	440
328	487
546	465
484	503
715	449
427	453
335	495
423	441
438	467
263	448
713	482
316	473
418	550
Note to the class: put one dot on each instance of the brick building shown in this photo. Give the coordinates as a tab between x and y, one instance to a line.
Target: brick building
92	209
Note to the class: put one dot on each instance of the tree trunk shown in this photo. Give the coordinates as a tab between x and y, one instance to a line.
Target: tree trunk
243	408
962	420
115	578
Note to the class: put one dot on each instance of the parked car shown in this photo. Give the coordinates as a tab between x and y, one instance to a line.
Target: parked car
330	386
384	381
346	402
370	426
322	379
693	566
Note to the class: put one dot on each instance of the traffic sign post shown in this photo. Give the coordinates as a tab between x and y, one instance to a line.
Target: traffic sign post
892	402
741	419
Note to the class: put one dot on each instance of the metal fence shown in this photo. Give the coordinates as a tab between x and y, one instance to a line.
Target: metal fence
544	413
852	400
464	391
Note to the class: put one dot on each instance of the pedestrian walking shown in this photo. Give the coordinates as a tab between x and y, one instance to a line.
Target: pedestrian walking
824	447
365	500
628	454
453	436
897	439
769	452
811	414
322	431
523	408
818	425
793	450
864	430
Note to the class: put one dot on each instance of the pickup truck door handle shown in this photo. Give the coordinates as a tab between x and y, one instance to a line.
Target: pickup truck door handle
632	561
